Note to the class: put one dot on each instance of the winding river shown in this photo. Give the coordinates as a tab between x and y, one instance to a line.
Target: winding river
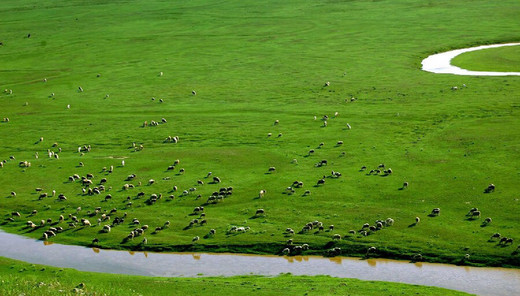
481	281
441	62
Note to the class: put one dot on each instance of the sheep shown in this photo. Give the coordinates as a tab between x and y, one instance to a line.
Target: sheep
331	227
261	193
86	222
269	135
286	251
195	239
405	185
200	182
348	126
272	169
13	194
181	171
276	122
471	211
417	257
305	247
435	212
320	182
487	220
366	225
334	251
466	257
490	188
371	250
326	84
151	181
336	236
352	231
289	241
417	220
193	92
307	192
212	232
339	143
106	228
216	180
475	214
324	123
289	231
389	221
260	212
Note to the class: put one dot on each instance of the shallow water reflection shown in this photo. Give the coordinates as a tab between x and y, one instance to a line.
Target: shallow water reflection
482	281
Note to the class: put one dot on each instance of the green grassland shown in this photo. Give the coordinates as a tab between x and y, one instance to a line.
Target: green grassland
18	278
504	59
252	63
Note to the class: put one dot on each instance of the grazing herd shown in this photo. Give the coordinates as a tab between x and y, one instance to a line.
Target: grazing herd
110	218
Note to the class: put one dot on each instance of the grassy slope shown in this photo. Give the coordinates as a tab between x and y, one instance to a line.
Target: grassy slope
252	63
505	59
18	278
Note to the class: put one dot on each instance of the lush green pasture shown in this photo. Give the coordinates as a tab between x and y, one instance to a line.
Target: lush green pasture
251	63
28	279
506	59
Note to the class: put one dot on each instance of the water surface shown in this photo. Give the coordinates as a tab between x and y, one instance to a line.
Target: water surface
441	62
481	281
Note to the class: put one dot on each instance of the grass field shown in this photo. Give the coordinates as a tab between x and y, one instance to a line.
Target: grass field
505	59
251	63
18	278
